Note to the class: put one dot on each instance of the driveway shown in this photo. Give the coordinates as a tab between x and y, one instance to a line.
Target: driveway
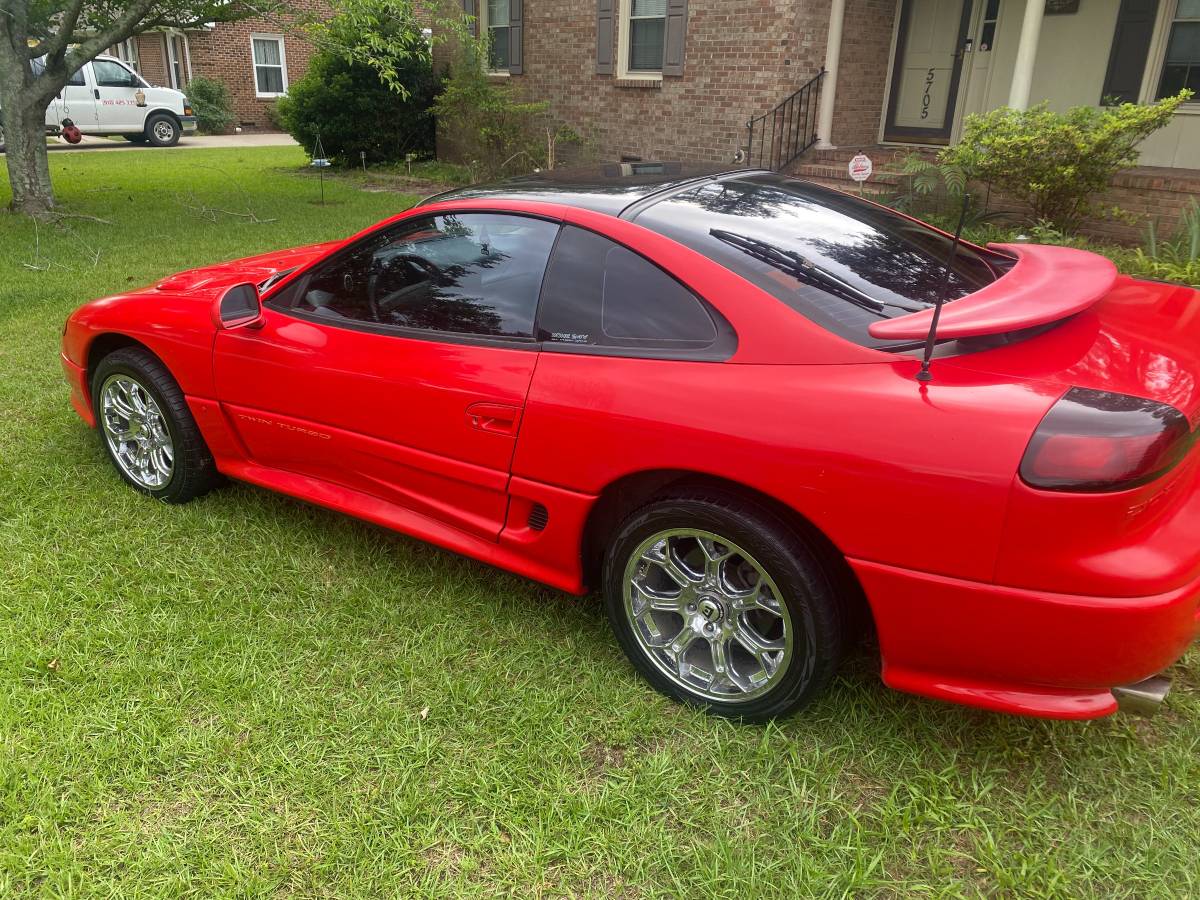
187	142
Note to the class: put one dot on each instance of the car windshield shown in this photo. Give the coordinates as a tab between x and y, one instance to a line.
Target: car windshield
840	261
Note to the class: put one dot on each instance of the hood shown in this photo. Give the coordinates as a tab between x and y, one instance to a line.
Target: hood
1141	338
252	268
163	96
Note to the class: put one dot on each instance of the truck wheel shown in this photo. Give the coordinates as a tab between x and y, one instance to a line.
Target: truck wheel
162	130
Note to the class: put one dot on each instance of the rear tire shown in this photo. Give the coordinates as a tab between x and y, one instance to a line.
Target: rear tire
147	429
720	605
163	130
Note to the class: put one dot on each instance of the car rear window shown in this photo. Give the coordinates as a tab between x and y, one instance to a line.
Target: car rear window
840	261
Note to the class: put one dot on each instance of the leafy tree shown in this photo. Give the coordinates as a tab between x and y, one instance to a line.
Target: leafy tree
1057	162
387	36
64	36
353	110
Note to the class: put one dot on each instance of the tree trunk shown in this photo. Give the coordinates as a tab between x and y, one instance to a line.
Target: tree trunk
28	166
23	115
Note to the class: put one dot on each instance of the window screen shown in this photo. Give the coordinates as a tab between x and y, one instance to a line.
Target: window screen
268	66
647	34
498	15
1181	69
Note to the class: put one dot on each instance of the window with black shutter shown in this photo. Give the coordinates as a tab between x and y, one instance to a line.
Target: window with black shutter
502	23
652	36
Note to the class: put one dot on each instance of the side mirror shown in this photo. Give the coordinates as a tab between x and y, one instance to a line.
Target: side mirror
239	307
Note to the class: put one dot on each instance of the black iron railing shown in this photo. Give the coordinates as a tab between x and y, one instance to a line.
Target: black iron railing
777	137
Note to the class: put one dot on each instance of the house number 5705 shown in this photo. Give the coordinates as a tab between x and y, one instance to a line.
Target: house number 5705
926	99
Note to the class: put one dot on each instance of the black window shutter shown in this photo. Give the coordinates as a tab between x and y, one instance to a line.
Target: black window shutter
604	37
1131	44
676	37
469	9
516	37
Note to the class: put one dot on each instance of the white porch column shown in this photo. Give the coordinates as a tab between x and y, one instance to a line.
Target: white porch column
833	54
1031	32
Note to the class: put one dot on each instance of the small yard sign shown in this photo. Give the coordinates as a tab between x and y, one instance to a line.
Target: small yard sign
860	167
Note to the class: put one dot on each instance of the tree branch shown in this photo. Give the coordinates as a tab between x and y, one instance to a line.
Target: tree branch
56	44
121	28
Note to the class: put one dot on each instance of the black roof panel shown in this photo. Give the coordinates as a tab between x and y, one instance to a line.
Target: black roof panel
608	188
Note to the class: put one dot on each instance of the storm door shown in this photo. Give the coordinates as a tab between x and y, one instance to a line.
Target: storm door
926	70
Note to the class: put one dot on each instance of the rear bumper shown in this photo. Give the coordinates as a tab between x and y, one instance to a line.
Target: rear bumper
77	380
1022	651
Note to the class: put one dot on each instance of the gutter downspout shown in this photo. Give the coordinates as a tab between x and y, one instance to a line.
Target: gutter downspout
833	54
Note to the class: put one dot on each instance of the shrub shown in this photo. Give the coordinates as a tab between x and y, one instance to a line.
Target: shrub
1056	162
1176	258
489	127
210	100
353	111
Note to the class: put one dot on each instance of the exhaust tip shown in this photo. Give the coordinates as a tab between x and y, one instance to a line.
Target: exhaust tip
1144	698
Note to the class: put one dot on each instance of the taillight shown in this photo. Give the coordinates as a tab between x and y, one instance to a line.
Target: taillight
1094	441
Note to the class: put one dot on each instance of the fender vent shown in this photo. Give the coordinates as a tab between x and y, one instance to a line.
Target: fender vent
538	517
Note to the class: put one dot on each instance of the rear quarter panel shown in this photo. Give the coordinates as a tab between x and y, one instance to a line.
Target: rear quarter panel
889	471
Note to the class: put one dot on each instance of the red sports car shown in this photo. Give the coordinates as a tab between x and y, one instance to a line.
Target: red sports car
698	392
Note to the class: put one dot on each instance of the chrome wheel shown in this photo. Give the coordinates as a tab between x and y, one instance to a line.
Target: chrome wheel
708	615
136	432
164	131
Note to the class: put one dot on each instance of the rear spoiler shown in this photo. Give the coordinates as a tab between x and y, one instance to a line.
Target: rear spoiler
1046	284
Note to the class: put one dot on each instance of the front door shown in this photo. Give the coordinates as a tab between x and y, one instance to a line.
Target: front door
926	71
399	368
117	90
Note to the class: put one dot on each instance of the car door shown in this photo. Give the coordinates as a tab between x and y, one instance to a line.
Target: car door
399	367
76	102
116	91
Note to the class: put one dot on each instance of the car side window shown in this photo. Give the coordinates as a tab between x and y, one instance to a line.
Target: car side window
111	74
471	273
603	295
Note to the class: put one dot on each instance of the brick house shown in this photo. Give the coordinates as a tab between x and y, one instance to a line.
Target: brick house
256	59
682	79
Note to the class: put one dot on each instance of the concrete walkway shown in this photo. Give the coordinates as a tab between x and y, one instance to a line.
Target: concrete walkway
187	142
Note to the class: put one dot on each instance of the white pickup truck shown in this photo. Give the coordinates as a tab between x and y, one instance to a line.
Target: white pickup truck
106	97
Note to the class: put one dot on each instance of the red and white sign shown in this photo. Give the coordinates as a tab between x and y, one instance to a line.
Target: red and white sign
860	167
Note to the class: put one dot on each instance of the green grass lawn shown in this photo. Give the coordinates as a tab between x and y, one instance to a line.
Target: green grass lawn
248	696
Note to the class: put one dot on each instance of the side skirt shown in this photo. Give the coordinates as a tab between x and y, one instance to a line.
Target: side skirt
550	554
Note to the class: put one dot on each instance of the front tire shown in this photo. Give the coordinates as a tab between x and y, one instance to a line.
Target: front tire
147	429
719	604
163	130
